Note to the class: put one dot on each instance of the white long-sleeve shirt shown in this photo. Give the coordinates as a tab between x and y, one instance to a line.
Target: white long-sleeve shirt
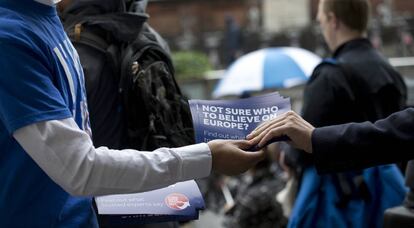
67	155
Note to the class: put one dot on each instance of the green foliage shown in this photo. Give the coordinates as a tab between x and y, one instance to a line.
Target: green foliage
190	64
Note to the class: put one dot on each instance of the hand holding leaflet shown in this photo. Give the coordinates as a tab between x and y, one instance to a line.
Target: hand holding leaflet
223	119
273	140
289	125
230	158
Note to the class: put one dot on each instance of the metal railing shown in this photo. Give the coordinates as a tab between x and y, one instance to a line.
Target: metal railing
402	62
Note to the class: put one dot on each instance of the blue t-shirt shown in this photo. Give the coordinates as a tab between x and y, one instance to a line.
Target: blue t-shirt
40	79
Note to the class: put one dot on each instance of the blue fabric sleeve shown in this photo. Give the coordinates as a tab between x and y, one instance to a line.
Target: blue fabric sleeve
27	93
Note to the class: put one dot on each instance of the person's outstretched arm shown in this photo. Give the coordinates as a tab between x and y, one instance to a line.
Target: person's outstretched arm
66	154
361	145
347	146
38	111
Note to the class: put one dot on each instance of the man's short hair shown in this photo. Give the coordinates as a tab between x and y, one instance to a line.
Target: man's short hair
353	13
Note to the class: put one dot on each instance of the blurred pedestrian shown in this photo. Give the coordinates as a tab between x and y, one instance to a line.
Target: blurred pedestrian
232	40
255	204
356	84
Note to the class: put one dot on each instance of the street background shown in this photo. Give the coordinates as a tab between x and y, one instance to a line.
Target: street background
206	37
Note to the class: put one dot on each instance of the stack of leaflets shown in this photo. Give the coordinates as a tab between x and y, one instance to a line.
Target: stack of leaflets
234	119
177	202
218	119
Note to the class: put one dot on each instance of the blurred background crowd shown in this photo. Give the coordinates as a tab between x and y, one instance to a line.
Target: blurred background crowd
207	38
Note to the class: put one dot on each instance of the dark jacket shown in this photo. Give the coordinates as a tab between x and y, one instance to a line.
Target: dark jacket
364	87
361	85
365	144
109	19
376	89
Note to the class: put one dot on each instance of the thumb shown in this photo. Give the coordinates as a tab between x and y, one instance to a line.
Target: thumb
243	144
256	156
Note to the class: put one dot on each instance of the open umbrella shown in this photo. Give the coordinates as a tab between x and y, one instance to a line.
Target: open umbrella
267	68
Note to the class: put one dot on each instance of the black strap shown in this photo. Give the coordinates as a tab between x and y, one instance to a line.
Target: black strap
351	184
126	63
91	39
356	87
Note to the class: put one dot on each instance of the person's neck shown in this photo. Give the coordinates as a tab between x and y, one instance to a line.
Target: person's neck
346	36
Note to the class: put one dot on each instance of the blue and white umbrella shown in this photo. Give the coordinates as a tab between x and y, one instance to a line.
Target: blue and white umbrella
267	68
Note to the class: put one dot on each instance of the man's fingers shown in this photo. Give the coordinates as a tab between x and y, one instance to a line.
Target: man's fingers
259	137
273	133
260	128
271	123
263	126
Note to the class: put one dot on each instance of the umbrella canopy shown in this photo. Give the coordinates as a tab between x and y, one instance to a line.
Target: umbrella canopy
267	68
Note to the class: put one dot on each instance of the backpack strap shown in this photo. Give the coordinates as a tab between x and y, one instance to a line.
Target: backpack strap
145	41
79	33
125	68
350	184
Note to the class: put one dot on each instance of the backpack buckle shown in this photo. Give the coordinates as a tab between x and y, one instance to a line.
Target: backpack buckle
135	67
78	30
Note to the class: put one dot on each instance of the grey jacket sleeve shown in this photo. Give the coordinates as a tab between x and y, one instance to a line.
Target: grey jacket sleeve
361	145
